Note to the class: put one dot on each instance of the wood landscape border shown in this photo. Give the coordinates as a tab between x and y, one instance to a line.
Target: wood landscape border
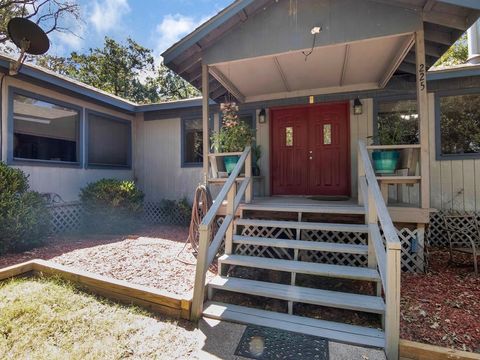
417	351
152	299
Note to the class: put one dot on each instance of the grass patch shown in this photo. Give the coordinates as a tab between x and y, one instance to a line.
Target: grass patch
45	318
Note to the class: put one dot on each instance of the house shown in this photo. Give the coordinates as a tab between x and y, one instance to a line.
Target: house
316	80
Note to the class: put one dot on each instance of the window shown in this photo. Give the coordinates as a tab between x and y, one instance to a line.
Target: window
192	142
397	122
44	130
459	126
109	141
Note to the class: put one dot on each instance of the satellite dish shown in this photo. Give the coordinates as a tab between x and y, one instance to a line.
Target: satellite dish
28	37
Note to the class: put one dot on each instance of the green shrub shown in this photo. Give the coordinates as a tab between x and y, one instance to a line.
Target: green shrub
112	206
24	217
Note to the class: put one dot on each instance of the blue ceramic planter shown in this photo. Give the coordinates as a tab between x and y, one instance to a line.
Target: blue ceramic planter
385	161
230	162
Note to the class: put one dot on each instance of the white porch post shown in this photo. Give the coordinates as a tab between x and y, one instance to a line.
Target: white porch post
205	117
422	104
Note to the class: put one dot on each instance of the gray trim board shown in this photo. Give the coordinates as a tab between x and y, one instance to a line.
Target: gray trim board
89	112
11	160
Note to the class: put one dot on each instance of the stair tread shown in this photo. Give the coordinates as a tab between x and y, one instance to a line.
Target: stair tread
302	244
337	271
328	329
337	299
317	209
305	225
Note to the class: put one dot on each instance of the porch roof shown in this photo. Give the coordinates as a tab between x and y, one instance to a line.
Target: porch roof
444	21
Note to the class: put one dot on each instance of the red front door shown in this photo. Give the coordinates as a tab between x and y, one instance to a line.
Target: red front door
310	150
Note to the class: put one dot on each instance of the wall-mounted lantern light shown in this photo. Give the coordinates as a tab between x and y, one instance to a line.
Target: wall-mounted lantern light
262	116
357	107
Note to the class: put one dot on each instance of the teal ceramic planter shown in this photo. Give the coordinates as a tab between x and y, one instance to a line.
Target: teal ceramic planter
385	161
230	162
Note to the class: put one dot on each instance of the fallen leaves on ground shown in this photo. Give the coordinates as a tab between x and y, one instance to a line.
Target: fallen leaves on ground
442	307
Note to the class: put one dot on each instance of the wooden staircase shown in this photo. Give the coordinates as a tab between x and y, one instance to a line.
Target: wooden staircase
382	250
293	293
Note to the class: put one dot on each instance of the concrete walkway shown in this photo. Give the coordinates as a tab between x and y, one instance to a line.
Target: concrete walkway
220	340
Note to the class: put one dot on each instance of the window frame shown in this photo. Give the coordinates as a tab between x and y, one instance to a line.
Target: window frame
11	160
89	165
391	98
183	144
438	135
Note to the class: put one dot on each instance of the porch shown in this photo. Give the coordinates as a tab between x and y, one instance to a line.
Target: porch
302	67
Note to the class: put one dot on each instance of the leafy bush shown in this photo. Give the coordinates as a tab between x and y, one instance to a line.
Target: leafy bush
24	217
112	205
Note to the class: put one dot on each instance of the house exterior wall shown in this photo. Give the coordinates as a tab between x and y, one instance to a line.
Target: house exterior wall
158	168
51	178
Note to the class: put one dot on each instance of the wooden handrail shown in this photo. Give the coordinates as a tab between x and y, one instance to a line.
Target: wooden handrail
207	251
381	208
384	257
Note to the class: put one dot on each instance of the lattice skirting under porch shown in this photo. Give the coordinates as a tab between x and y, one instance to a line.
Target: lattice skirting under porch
158	213
68	217
413	249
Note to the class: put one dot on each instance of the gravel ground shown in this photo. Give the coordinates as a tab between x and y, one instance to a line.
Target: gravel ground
155	256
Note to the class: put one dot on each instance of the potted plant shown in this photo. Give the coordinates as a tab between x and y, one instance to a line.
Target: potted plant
393	131
234	135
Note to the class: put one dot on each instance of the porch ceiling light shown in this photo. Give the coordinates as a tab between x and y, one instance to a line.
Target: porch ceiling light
262	116
357	107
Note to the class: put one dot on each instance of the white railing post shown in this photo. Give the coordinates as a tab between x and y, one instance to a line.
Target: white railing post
392	304
200	273
248	174
372	219
230	211
361	173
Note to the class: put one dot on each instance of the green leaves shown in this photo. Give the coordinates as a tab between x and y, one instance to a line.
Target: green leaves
112	205
24	217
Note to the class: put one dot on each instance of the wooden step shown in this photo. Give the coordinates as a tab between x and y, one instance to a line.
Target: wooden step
302	267
336	299
361	228
351	334
309	209
302	245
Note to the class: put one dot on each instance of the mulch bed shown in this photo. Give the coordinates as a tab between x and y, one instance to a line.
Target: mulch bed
155	256
442	307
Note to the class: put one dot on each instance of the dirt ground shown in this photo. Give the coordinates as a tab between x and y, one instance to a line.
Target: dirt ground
155	256
442	307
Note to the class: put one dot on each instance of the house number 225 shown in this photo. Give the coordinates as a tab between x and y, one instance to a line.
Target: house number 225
421	74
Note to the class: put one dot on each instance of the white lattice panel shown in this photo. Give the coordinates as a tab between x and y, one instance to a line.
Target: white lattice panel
157	213
413	248
66	217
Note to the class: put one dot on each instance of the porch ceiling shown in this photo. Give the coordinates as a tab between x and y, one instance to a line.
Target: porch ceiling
354	66
444	21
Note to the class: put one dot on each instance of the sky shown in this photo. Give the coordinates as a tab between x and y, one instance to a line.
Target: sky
155	24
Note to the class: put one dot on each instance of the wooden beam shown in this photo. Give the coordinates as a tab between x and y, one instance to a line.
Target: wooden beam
440	37
408	68
205	117
448	20
227	84
418	351
345	64
429	4
282	73
188	64
404	49
422	104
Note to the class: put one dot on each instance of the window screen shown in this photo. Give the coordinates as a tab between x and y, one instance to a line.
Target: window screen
109	141
192	142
